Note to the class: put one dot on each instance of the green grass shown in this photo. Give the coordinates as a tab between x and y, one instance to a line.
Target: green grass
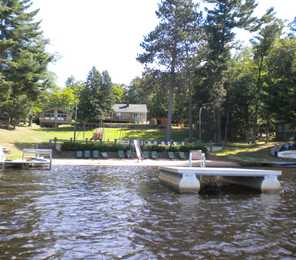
250	154
26	137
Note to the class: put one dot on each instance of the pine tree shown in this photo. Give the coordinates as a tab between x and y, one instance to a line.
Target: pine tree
222	19
106	93
95	97
23	59
166	45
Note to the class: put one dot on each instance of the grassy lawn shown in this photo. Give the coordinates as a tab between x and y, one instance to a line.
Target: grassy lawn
250	154
243	149
26	137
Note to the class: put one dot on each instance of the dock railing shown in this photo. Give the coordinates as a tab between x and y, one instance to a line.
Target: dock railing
197	155
38	154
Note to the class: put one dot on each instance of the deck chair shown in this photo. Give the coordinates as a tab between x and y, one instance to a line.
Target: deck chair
104	155
171	155
79	154
128	154
86	154
96	154
154	155
197	155
182	155
120	154
145	154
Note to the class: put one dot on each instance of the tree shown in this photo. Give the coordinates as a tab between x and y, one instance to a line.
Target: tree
222	19
96	97
118	92
23	59
280	90
263	43
62	98
165	45
240	83
107	98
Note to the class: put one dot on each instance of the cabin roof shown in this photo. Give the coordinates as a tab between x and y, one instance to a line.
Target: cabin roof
130	108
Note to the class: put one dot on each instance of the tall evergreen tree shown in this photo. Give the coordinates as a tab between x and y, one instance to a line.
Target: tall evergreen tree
165	46
95	97
107	99
263	44
23	59
222	19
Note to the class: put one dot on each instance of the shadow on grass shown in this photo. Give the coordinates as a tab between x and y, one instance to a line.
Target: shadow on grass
55	129
25	145
177	134
125	133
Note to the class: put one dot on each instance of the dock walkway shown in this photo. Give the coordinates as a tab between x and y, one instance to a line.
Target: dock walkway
188	179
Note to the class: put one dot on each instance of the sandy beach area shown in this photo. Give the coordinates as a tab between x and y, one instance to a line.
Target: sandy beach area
135	162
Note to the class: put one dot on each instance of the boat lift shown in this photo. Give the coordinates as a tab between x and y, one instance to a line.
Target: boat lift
31	158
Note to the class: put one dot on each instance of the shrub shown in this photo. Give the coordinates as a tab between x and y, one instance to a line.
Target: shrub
156	148
106	147
114	147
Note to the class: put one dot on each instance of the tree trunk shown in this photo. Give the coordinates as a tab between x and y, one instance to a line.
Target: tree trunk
218	125
170	112
171	99
258	89
226	127
189	108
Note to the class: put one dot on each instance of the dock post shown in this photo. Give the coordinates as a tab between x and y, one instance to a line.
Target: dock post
182	182
189	183
270	184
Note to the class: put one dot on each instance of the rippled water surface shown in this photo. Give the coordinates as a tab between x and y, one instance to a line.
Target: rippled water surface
124	212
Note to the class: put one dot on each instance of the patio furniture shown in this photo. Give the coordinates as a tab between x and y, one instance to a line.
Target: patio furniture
86	154
120	154
182	155
96	154
146	154
104	155
197	155
171	155
79	154
154	155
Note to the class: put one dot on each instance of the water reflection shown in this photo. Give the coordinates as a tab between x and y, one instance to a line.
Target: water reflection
113	213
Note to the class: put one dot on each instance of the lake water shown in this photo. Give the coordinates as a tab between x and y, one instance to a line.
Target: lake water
125	213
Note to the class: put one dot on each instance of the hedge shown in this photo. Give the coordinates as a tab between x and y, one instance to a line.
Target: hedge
113	147
104	147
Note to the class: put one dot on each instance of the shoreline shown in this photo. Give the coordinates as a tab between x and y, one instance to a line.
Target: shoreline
135	162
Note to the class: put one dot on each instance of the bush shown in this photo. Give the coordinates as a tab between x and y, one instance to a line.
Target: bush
156	148
114	147
106	147
174	148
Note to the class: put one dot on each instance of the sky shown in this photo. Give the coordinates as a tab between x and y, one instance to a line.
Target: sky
107	34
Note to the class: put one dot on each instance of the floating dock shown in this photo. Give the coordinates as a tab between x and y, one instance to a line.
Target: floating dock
31	158
189	179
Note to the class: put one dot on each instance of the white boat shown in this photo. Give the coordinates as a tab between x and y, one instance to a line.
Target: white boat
290	154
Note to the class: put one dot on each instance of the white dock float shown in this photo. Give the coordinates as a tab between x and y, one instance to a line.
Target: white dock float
31	158
188	179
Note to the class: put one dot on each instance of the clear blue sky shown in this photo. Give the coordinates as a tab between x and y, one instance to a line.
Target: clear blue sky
107	33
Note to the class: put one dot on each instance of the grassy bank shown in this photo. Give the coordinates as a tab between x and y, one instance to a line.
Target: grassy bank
26	137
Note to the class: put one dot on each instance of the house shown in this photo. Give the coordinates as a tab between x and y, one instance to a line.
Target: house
133	113
55	117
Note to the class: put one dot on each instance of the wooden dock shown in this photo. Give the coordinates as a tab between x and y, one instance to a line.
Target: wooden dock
189	179
31	158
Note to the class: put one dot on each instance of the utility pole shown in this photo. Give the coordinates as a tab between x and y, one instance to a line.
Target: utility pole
75	118
199	118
